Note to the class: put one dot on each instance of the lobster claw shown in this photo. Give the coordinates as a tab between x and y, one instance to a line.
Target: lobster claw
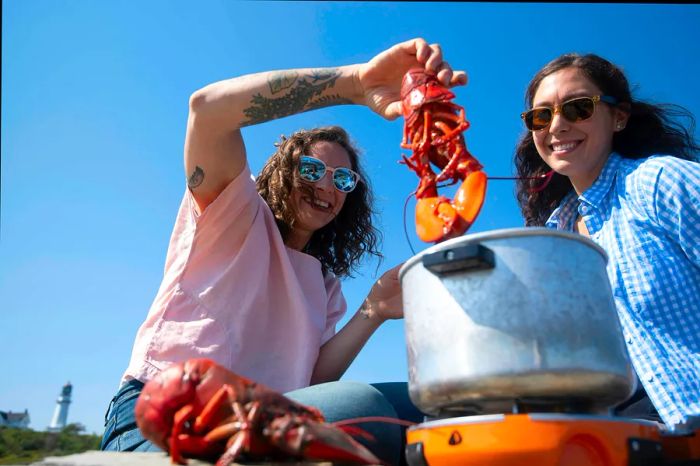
318	441
438	219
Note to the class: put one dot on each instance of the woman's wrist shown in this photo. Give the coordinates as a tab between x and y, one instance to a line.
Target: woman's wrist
352	88
368	312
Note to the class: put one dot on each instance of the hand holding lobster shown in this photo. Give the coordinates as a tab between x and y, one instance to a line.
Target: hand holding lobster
380	79
433	127
199	409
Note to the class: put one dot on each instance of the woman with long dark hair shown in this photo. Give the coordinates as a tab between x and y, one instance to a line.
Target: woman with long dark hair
626	174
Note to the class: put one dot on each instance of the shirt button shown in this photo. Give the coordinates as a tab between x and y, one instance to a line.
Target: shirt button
584	209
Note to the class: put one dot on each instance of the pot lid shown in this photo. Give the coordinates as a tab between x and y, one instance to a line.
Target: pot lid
505	233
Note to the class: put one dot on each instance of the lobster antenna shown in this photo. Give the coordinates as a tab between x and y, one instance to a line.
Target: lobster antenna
547	177
386	419
405	230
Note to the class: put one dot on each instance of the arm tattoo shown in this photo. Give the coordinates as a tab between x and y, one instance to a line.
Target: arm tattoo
280	81
322	75
196	178
302	93
365	311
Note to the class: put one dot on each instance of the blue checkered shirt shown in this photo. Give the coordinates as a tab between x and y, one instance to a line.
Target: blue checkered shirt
645	213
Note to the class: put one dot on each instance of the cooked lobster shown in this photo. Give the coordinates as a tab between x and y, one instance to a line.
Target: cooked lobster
199	409
433	131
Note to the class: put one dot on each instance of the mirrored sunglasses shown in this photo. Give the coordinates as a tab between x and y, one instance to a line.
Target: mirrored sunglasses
312	170
574	110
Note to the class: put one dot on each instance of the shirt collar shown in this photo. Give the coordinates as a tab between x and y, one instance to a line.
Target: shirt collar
562	218
600	187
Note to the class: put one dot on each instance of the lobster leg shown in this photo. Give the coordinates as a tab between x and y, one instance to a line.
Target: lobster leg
318	441
449	134
234	447
239	431
184	444
449	169
181	417
212	409
410	164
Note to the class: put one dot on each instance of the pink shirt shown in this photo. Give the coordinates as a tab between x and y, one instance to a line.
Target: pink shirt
233	292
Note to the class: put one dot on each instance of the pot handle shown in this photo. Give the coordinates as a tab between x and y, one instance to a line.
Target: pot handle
466	258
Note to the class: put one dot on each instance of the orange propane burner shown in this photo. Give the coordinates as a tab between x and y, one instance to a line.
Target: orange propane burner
548	440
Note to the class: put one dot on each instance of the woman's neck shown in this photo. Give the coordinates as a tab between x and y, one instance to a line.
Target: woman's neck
581	182
297	240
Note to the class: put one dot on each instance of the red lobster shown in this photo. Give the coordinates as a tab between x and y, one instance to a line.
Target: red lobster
199	409
433	127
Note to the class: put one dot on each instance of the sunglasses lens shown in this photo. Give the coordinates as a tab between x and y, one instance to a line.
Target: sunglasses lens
311	169
344	180
574	111
578	109
538	118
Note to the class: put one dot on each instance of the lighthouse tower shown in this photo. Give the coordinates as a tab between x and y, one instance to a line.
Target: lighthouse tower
60	415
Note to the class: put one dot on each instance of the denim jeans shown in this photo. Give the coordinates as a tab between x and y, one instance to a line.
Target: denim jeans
348	400
336	400
121	432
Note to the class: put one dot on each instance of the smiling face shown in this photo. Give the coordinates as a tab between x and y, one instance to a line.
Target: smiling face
318	210
576	150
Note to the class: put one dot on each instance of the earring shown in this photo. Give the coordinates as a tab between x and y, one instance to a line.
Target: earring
619	126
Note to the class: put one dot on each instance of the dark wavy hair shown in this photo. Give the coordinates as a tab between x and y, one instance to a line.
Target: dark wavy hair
340	245
651	129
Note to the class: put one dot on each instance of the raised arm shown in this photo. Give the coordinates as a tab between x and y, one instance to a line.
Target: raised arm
214	149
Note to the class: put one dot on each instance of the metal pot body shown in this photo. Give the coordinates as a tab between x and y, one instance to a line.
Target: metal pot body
519	316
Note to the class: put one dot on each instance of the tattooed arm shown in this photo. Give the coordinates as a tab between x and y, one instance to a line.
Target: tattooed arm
214	149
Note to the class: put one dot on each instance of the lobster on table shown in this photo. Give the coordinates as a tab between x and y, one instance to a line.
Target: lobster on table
198	409
433	127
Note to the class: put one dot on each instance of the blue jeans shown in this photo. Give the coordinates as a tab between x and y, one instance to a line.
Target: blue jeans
348	400
336	400
121	432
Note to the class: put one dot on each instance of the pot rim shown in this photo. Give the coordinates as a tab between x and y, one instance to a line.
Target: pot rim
503	233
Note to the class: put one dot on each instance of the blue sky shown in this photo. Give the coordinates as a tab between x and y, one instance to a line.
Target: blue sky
94	106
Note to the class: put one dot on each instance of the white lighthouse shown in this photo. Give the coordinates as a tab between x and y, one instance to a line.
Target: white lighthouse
60	415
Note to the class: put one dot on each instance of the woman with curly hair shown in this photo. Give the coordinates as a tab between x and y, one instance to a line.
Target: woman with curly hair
625	175
251	276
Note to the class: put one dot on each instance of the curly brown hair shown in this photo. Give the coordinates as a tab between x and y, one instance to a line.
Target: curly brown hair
651	129
340	245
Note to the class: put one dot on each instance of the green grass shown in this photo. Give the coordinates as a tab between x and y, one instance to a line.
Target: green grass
24	446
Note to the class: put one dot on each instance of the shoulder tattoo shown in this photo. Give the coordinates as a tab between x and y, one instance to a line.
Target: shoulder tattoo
196	178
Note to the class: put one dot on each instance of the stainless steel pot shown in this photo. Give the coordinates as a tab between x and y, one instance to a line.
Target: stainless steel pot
518	316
